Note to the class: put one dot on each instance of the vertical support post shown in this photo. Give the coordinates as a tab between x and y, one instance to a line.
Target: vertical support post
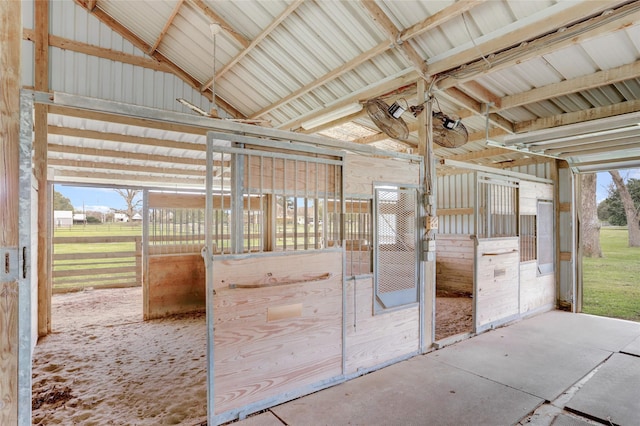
145	254
237	211
10	45
40	166
25	312
207	254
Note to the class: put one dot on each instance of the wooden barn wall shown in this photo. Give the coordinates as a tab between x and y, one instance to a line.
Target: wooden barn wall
375	339
454	263
86	75
497	295
176	284
537	292
278	325
455	203
361	172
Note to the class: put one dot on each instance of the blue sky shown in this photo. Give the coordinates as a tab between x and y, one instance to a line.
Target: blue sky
94	199
102	199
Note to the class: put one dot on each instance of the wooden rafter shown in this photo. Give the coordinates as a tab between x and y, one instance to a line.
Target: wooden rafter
74	175
429	23
574	85
462	99
579	116
273	25
166	27
100	52
215	18
380	17
618	18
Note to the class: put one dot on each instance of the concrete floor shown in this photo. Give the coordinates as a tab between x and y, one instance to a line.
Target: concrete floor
554	369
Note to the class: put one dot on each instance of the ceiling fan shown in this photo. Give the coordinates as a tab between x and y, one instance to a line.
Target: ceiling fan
447	132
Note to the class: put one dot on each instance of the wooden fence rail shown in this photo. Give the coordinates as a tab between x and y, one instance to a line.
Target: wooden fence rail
104	261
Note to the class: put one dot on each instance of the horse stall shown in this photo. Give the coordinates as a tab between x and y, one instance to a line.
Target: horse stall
311	264
495	249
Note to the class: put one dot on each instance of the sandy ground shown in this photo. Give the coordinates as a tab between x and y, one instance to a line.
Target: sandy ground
454	315
103	365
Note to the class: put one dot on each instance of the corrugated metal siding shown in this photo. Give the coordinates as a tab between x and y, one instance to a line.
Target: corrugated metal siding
86	75
455	192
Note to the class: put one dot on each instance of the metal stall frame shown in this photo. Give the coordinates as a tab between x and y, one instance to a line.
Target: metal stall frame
239	132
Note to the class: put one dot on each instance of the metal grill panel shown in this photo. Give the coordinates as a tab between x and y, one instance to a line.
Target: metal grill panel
396	246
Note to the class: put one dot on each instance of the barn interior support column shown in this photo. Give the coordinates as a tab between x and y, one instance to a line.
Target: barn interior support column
10	44
40	167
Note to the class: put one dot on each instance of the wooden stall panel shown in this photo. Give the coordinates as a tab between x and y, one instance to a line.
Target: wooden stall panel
375	339
278	325
176	285
497	290
537	293
360	173
530	193
454	263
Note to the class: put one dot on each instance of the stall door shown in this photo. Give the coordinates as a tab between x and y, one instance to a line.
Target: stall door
497	254
497	282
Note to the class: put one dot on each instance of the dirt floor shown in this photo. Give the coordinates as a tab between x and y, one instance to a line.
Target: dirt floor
454	314
103	365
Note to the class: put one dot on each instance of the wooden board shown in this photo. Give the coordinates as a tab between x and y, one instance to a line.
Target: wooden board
176	285
454	262
530	193
277	338
361	172
497	289
536	292
375	339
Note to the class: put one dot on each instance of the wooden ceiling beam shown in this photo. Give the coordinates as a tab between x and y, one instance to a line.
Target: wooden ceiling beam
404	46
101	165
439	18
117	137
100	52
478	155
462	99
273	25
539	45
429	23
566	87
125	178
578	116
125	155
166	27
215	18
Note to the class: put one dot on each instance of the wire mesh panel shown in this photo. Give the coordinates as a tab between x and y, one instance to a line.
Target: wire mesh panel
395	239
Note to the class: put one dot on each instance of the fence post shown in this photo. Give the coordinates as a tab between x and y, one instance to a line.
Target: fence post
139	261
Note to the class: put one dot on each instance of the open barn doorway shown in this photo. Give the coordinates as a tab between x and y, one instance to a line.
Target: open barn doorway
103	362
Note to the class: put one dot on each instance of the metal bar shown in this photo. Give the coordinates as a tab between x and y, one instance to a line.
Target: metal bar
207	253
234	150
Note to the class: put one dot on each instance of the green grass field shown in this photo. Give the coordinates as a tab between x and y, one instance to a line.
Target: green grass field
612	283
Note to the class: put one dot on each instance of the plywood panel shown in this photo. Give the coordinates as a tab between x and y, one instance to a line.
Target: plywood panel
360	172
176	285
375	339
536	292
497	273
259	355
530	193
454	263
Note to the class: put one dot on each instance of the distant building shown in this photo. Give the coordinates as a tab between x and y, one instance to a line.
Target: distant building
62	218
120	217
136	217
79	218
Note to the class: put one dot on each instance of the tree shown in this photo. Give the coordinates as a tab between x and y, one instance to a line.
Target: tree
60	202
589	223
631	209
132	200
